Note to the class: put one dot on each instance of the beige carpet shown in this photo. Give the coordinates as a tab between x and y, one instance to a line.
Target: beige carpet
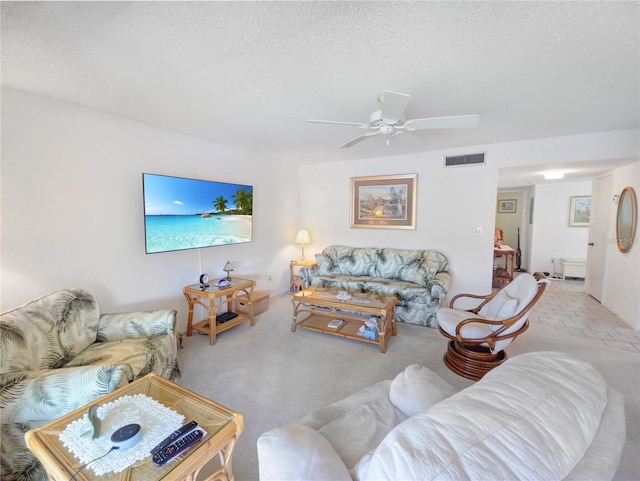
273	376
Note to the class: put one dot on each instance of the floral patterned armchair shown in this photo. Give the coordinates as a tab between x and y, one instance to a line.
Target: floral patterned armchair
58	353
419	279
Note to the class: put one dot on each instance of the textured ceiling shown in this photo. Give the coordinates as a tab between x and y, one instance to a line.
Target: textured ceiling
248	74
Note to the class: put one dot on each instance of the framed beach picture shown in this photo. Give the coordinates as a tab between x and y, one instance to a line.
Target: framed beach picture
384	202
507	206
580	211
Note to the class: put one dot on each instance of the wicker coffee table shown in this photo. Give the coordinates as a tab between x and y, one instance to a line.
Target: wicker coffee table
223	427
319	306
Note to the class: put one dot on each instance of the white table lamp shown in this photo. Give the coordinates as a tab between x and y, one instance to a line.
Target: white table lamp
303	239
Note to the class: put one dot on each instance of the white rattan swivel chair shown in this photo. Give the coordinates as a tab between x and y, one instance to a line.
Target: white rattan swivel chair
479	335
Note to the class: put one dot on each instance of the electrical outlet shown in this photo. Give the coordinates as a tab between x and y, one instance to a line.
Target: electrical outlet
478	231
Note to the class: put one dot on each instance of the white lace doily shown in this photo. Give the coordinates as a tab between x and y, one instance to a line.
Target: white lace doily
156	423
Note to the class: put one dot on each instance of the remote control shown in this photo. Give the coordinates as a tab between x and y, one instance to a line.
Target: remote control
225	316
190	426
177	447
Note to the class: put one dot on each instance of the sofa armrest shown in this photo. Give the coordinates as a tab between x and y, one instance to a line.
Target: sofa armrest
440	285
296	452
602	458
307	273
44	395
116	327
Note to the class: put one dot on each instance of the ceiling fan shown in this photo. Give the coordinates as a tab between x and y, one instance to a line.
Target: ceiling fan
389	120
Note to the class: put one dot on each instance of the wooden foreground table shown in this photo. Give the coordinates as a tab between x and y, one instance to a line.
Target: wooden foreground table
223	428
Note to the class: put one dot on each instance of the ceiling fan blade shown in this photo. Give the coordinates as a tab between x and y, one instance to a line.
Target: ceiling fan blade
454	121
358	124
393	104
358	139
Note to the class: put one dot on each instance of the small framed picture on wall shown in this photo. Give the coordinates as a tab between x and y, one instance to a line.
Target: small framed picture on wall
580	211
507	206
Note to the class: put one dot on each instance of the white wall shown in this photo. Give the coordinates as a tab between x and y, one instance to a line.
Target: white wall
72	204
622	271
552	237
452	202
72	213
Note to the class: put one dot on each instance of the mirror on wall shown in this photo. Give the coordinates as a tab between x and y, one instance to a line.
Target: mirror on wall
626	219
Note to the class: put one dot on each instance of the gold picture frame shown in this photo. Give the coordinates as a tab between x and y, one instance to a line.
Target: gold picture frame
626	219
580	211
507	206
384	201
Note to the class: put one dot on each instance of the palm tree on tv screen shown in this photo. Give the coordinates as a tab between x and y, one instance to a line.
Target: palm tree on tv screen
243	201
220	204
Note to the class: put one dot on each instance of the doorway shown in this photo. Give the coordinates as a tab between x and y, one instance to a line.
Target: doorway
598	230
513	218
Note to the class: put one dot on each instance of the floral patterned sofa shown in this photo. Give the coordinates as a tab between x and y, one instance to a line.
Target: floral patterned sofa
419	279
58	352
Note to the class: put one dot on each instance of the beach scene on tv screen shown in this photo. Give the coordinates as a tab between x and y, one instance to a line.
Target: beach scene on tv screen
182	213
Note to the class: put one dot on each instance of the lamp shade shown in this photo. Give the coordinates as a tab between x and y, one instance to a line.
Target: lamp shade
303	238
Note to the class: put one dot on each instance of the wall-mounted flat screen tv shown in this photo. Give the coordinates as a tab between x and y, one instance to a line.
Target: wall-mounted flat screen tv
182	213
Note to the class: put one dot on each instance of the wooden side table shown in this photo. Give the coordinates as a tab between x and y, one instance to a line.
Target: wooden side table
296	283
506	274
223	428
212	298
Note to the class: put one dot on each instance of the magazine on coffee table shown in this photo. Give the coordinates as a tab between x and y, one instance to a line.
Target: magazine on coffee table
335	323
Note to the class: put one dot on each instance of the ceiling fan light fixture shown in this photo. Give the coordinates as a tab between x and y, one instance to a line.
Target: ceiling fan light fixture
386	129
390	119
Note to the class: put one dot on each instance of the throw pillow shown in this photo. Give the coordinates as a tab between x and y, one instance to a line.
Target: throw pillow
298	452
417	388
361	429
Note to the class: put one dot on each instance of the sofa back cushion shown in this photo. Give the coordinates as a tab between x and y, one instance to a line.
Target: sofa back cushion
347	261
531	418
398	264
326	265
432	263
418	266
49	331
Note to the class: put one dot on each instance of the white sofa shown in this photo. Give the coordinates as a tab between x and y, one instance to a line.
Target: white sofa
538	416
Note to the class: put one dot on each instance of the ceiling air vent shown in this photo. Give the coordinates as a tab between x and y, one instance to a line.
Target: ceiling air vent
469	159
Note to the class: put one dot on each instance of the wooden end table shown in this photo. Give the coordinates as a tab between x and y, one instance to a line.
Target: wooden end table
504	275
295	281
212	298
223	428
321	306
